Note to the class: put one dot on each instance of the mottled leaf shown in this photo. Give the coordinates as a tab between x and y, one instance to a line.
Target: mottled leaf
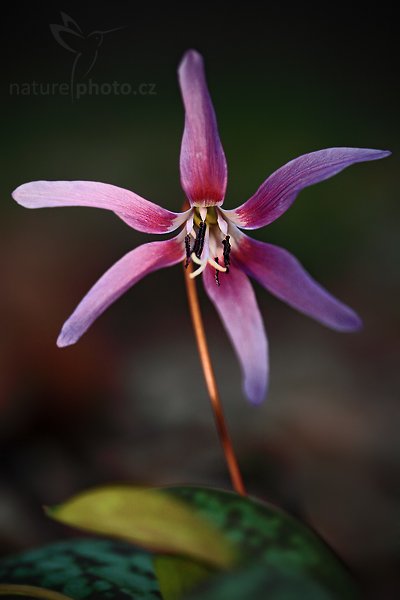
86	569
273	543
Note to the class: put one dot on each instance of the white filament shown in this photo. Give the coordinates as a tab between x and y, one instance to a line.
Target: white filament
203	263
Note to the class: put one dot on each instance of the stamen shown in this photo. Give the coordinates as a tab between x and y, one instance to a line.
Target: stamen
217	266
203	265
217	273
199	243
188	251
196	260
227	252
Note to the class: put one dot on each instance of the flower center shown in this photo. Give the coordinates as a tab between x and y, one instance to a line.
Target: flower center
207	242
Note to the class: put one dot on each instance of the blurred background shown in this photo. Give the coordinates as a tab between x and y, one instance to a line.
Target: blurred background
128	402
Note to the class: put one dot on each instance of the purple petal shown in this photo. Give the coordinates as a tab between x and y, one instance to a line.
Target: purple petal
118	279
131	208
282	275
280	190
236	304
202	162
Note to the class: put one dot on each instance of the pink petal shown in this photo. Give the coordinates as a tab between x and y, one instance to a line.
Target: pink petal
202	162
282	275
131	208
236	304
118	279
280	190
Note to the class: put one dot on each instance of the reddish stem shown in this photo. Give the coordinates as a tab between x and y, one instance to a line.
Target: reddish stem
209	376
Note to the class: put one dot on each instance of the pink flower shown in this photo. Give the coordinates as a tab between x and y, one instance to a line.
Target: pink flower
211	236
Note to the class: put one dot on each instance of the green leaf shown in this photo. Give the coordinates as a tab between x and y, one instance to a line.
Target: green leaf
151	518
257	582
87	569
177	575
204	525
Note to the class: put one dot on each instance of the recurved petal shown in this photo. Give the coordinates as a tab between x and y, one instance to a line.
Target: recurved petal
283	275
202	161
131	208
237	306
118	279
280	190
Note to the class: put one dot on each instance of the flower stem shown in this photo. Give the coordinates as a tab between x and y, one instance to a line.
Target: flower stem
209	376
10	589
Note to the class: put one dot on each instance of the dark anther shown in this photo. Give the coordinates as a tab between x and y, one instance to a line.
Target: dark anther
227	252
199	243
217	273
188	252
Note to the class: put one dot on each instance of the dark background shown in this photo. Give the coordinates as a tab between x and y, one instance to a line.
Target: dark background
128	401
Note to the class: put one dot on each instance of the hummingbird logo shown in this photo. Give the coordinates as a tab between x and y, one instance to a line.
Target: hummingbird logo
84	46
